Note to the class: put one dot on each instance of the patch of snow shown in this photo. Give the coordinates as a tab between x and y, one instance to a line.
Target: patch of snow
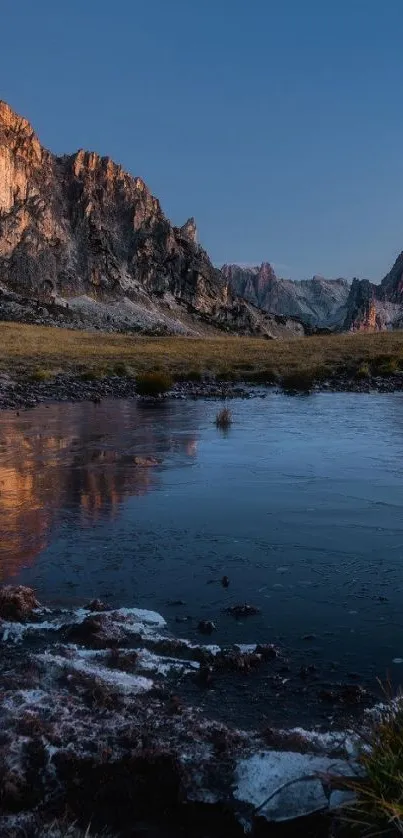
123	681
246	648
163	666
290	782
330	741
142	614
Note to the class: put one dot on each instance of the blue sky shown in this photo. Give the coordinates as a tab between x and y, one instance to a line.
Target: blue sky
277	123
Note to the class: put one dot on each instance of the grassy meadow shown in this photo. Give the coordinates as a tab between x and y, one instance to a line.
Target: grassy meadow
41	352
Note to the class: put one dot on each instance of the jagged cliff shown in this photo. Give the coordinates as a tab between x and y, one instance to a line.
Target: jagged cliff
319	302
324	303
84	241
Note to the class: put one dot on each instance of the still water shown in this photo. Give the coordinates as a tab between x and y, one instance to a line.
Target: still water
299	504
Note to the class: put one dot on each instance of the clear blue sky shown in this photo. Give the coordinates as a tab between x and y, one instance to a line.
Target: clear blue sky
278	124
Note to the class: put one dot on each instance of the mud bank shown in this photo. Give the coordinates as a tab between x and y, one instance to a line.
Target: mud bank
93	730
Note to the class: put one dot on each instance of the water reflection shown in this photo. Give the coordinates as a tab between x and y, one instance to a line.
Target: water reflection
85	460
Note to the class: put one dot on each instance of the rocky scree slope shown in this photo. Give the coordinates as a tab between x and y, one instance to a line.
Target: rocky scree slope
84	243
331	304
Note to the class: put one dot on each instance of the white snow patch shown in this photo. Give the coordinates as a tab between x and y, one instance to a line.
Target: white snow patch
329	741
293	779
123	681
163	666
147	661
246	648
142	614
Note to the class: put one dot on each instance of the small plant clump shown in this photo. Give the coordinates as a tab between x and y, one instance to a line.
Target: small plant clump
300	381
153	383
41	374
121	369
378	805
91	375
363	372
223	419
386	365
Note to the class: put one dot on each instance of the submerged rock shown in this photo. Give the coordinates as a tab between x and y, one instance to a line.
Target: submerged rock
206	626
244	610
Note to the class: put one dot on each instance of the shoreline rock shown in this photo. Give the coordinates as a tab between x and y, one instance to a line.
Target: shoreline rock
19	394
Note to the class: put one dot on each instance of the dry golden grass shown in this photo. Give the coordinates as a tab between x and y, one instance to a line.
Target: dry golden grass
24	349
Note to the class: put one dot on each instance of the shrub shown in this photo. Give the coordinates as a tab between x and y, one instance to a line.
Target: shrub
223	419
91	375
363	372
378	806
191	375
385	365
153	383
300	381
121	369
41	375
263	376
226	375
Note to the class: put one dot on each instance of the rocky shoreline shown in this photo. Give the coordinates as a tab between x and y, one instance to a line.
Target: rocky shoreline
95	732
19	392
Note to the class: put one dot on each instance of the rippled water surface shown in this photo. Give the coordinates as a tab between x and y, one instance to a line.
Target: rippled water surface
300	504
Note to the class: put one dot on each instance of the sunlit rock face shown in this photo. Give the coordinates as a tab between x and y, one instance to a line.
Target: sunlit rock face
80	230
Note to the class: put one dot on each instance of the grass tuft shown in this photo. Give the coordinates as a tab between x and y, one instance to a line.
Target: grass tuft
41	374
223	419
363	372
121	369
378	808
386	365
300	381
153	383
92	375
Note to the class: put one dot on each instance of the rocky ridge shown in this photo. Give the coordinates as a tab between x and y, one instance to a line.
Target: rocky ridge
84	243
331	304
319	302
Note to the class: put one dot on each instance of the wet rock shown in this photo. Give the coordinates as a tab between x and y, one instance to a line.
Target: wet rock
307	671
353	694
344	694
267	651
97	605
206	626
124	661
17	603
205	675
225	582
230	660
244	610
98	632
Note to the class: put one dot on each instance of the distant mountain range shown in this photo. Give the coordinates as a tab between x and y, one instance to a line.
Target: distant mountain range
84	243
331	304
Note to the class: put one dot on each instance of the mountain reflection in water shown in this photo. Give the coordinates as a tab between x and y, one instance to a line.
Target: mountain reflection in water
85	459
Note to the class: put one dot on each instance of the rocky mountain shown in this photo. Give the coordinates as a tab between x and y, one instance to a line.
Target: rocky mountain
376	307
324	303
319	302
83	242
